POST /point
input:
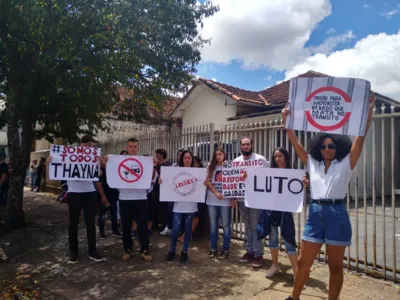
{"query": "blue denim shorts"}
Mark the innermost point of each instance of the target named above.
(328, 224)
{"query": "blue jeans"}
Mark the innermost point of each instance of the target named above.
(177, 220)
(250, 218)
(32, 177)
(273, 241)
(102, 215)
(225, 213)
(328, 224)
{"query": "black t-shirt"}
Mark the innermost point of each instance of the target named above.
(4, 170)
(156, 187)
(111, 194)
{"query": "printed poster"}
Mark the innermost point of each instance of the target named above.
(328, 104)
(129, 172)
(182, 184)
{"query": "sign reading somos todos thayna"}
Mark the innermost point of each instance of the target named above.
(129, 172)
(275, 189)
(328, 104)
(74, 163)
(233, 184)
(182, 184)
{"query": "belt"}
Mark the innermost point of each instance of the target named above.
(328, 201)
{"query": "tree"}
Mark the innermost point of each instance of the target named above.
(61, 62)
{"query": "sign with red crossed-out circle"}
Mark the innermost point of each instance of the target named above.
(130, 170)
(328, 109)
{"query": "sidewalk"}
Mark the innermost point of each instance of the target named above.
(38, 262)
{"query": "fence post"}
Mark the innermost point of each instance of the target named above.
(212, 137)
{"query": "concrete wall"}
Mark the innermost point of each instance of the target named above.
(208, 107)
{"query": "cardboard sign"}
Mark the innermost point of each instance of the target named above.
(275, 189)
(129, 172)
(74, 163)
(233, 185)
(182, 184)
(328, 104)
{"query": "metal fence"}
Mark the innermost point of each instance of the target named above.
(373, 205)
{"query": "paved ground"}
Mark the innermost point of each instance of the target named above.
(38, 269)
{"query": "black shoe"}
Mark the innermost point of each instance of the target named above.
(224, 254)
(184, 257)
(74, 259)
(290, 298)
(96, 257)
(212, 254)
(170, 256)
(117, 234)
(102, 235)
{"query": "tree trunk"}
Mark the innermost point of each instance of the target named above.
(19, 160)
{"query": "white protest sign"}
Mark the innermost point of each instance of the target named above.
(182, 184)
(233, 184)
(74, 163)
(129, 172)
(275, 189)
(328, 104)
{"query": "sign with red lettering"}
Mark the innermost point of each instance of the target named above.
(129, 172)
(328, 104)
(233, 182)
(74, 163)
(180, 184)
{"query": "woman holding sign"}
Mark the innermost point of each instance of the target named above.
(330, 161)
(284, 220)
(185, 211)
(218, 207)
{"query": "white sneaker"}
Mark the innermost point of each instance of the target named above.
(272, 271)
(166, 231)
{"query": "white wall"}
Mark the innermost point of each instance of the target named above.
(208, 106)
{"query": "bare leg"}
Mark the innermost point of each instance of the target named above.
(308, 253)
(335, 262)
(293, 261)
(274, 256)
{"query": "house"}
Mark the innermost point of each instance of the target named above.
(224, 105)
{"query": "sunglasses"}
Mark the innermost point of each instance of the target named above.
(330, 146)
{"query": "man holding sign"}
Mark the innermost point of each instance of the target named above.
(254, 247)
(132, 175)
(80, 166)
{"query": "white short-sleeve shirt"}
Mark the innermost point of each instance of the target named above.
(253, 157)
(333, 184)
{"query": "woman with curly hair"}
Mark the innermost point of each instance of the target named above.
(330, 162)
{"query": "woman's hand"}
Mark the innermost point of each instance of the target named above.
(220, 196)
(207, 181)
(285, 113)
(306, 181)
(234, 203)
(243, 176)
(371, 103)
(159, 180)
(105, 160)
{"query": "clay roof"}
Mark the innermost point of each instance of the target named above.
(275, 95)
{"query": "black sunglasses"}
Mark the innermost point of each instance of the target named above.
(330, 146)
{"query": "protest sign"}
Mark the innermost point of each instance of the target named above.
(233, 185)
(182, 184)
(275, 189)
(129, 172)
(328, 104)
(74, 163)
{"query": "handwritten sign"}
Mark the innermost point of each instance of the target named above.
(328, 104)
(129, 172)
(74, 163)
(275, 189)
(233, 184)
(182, 184)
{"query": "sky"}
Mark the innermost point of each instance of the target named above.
(258, 43)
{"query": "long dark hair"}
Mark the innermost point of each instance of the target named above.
(213, 163)
(343, 145)
(198, 160)
(182, 155)
(285, 153)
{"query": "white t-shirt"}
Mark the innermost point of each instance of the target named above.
(185, 207)
(216, 181)
(132, 194)
(253, 157)
(75, 186)
(334, 184)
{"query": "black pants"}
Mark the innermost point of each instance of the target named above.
(138, 210)
(87, 202)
